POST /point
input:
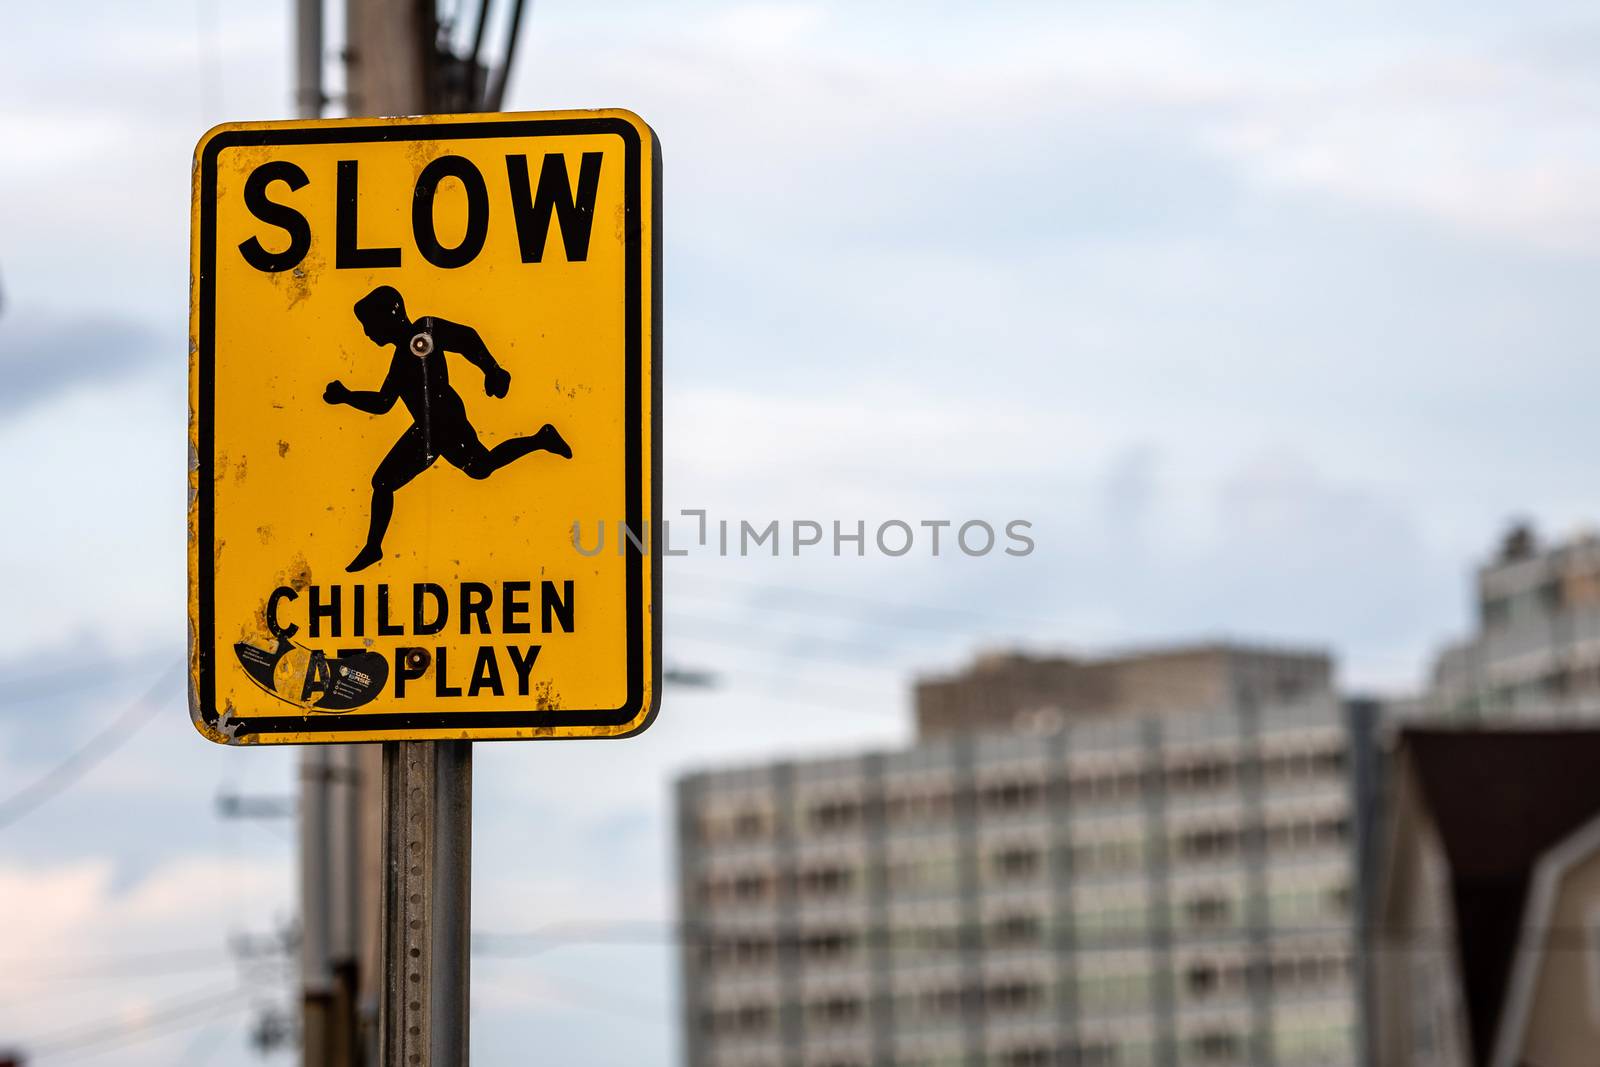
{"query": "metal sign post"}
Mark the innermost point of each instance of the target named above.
(427, 912)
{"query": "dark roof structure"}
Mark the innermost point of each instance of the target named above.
(1499, 800)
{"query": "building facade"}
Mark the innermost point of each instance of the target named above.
(1536, 652)
(1011, 690)
(1122, 892)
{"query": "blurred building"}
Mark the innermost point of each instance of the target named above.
(1488, 922)
(1121, 890)
(1537, 649)
(1012, 690)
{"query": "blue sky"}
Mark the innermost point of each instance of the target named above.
(1267, 316)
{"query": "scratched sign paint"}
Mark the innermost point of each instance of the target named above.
(423, 353)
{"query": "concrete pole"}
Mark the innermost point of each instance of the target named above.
(308, 91)
(388, 56)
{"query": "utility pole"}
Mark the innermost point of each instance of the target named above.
(327, 1033)
(386, 60)
(389, 45)
(347, 853)
(386, 929)
(393, 67)
(316, 976)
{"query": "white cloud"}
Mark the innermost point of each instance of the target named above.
(1473, 141)
(83, 950)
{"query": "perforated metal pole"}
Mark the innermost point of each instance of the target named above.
(427, 847)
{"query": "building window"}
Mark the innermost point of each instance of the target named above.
(831, 816)
(1202, 979)
(729, 952)
(1210, 910)
(1306, 832)
(1320, 762)
(827, 946)
(746, 887)
(1329, 761)
(834, 1012)
(746, 1019)
(1106, 786)
(1199, 775)
(914, 806)
(749, 887)
(932, 939)
(1088, 1054)
(826, 881)
(1209, 843)
(1108, 854)
(1028, 1056)
(1310, 971)
(1013, 996)
(1216, 1046)
(940, 1003)
(749, 824)
(1011, 796)
(1016, 864)
(1114, 989)
(922, 873)
(1016, 931)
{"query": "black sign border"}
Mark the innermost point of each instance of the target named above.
(404, 725)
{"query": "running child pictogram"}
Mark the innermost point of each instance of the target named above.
(419, 377)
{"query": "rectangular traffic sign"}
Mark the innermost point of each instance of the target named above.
(423, 352)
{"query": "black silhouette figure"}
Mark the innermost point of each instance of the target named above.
(419, 376)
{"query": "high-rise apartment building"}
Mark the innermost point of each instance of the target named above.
(1119, 892)
(1011, 690)
(1537, 650)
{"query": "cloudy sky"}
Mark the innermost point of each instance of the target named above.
(1267, 317)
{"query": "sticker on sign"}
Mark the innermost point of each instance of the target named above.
(421, 350)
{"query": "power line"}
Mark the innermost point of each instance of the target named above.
(496, 94)
(57, 976)
(206, 1052)
(794, 686)
(67, 773)
(806, 646)
(919, 615)
(177, 1013)
(44, 685)
(175, 961)
(920, 610)
(593, 999)
(477, 34)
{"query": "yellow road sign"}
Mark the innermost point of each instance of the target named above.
(421, 351)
